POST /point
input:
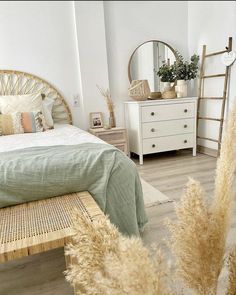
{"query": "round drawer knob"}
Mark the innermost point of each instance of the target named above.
(185, 141)
(153, 145)
(185, 110)
(152, 113)
(185, 126)
(152, 130)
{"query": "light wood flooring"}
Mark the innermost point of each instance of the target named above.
(42, 274)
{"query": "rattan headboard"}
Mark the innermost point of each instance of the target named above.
(16, 83)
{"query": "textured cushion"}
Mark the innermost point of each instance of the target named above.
(21, 103)
(11, 124)
(47, 111)
(32, 122)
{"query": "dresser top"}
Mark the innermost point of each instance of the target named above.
(163, 100)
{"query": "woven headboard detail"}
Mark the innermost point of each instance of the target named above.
(18, 83)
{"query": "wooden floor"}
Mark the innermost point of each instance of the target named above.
(43, 273)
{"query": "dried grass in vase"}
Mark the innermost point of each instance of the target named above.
(105, 262)
(107, 95)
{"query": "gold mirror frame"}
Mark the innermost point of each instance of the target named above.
(171, 48)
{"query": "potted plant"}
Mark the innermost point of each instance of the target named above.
(166, 74)
(184, 71)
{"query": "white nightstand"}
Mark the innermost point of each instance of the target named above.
(115, 136)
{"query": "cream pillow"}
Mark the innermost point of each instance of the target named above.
(21, 103)
(47, 111)
(28, 103)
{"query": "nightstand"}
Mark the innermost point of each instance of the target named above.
(115, 136)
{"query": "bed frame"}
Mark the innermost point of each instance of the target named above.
(19, 83)
(43, 225)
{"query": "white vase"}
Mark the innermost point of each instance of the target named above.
(166, 86)
(182, 88)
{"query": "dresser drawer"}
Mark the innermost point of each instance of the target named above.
(113, 137)
(168, 143)
(168, 112)
(166, 128)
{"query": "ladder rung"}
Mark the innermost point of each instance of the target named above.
(206, 138)
(216, 53)
(211, 119)
(213, 76)
(211, 97)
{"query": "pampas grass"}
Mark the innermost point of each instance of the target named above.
(105, 262)
(199, 236)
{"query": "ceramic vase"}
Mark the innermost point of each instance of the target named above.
(181, 88)
(166, 86)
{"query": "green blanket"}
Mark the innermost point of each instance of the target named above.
(111, 178)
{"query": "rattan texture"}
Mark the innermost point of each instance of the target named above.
(20, 83)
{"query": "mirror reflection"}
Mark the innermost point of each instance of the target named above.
(146, 61)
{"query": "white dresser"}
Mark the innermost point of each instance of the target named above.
(161, 125)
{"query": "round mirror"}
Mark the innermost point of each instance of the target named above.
(146, 60)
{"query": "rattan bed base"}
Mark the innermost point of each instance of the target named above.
(43, 225)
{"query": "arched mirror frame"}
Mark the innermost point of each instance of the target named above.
(129, 64)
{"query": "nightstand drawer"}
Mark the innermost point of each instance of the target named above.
(168, 143)
(122, 147)
(168, 112)
(167, 128)
(113, 137)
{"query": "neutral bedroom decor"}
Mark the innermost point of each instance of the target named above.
(139, 90)
(116, 136)
(184, 71)
(110, 105)
(206, 57)
(147, 60)
(96, 120)
(161, 125)
(106, 262)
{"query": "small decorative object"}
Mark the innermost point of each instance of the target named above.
(169, 94)
(107, 95)
(167, 76)
(105, 262)
(183, 71)
(228, 58)
(155, 95)
(96, 120)
(181, 88)
(107, 126)
(139, 90)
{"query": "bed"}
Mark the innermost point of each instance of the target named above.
(66, 160)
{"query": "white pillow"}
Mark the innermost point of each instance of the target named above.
(21, 103)
(28, 103)
(47, 111)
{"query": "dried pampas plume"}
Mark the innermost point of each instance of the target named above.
(199, 236)
(106, 94)
(106, 263)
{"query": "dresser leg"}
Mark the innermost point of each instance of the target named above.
(141, 159)
(194, 152)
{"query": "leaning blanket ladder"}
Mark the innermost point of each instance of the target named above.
(223, 98)
(39, 226)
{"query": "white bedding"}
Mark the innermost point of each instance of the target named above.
(62, 134)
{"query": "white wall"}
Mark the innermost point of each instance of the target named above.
(130, 23)
(39, 37)
(211, 23)
(91, 42)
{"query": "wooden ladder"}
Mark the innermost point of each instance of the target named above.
(223, 98)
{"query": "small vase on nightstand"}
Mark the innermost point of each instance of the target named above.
(112, 120)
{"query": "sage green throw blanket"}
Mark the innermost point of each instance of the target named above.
(110, 177)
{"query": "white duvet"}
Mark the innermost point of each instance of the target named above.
(62, 134)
